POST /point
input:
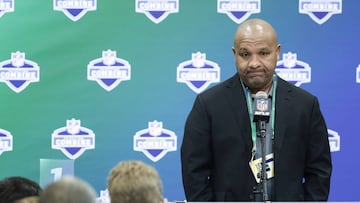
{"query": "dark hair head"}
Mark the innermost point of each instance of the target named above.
(15, 188)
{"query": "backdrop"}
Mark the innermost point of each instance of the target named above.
(85, 84)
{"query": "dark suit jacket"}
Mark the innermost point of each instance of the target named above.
(216, 147)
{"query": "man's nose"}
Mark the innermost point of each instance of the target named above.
(254, 61)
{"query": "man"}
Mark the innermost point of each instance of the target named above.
(17, 187)
(68, 189)
(135, 182)
(221, 151)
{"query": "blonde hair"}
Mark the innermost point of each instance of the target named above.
(134, 182)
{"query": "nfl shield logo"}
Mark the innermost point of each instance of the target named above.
(157, 10)
(334, 140)
(6, 141)
(198, 73)
(320, 11)
(17, 73)
(262, 105)
(292, 70)
(6, 6)
(109, 70)
(155, 142)
(358, 74)
(73, 139)
(238, 10)
(74, 9)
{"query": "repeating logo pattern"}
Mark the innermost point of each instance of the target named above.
(156, 10)
(294, 71)
(198, 73)
(109, 70)
(74, 9)
(155, 141)
(17, 72)
(6, 6)
(334, 140)
(320, 11)
(73, 139)
(238, 10)
(6, 141)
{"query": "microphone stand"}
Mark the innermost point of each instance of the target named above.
(261, 117)
(263, 175)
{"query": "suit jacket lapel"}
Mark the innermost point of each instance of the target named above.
(237, 101)
(282, 114)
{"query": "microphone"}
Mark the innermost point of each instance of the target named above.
(262, 107)
(261, 117)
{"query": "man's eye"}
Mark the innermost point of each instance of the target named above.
(264, 53)
(244, 54)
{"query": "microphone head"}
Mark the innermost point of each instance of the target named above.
(261, 95)
(262, 107)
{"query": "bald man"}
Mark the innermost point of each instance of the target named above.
(221, 152)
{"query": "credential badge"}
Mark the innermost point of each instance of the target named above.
(109, 70)
(292, 70)
(156, 10)
(74, 9)
(17, 72)
(6, 6)
(155, 142)
(73, 139)
(6, 141)
(198, 73)
(238, 10)
(334, 140)
(320, 10)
